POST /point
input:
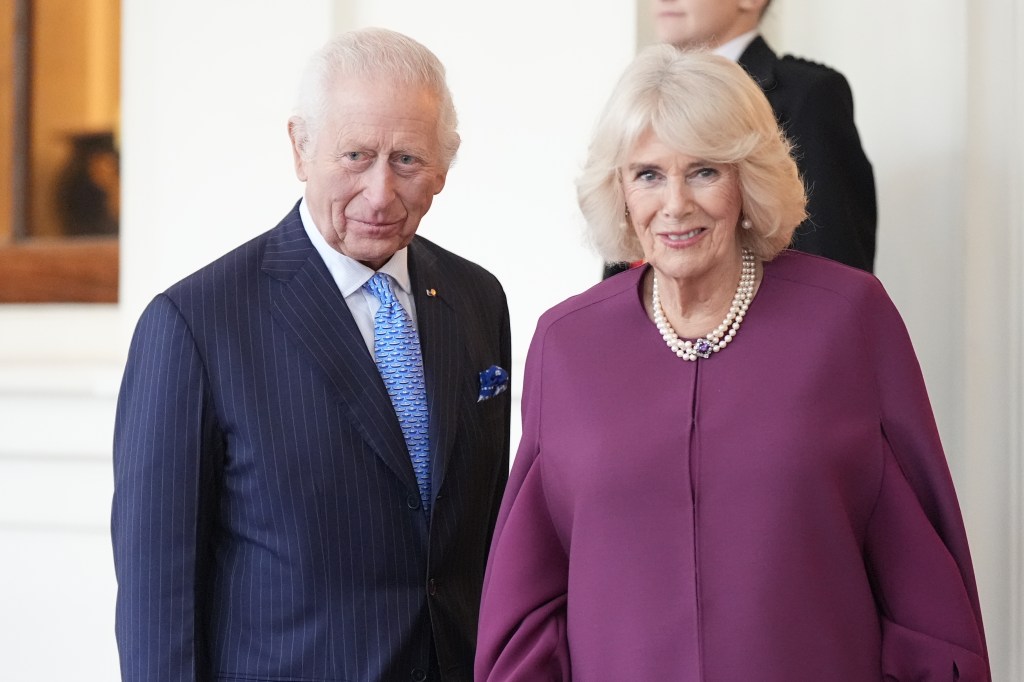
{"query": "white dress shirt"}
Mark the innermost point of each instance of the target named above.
(735, 47)
(350, 276)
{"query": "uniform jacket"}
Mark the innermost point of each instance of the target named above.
(814, 107)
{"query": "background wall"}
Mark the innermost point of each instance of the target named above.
(207, 88)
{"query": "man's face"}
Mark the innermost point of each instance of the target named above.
(704, 23)
(373, 168)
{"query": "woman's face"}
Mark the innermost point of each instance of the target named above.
(684, 210)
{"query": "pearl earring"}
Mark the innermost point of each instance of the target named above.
(746, 224)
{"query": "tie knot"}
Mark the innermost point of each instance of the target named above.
(380, 286)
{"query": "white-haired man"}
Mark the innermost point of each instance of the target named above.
(312, 432)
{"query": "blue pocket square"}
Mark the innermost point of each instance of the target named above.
(493, 380)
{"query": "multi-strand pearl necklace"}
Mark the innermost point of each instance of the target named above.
(719, 337)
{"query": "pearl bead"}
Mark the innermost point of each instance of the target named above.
(724, 333)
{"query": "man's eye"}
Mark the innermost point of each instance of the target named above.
(406, 159)
(354, 156)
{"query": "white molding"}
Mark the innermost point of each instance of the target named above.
(1016, 357)
(60, 378)
(83, 333)
(994, 324)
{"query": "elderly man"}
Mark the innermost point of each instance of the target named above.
(312, 431)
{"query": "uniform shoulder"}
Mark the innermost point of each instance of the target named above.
(808, 69)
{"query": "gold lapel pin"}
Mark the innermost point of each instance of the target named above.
(431, 292)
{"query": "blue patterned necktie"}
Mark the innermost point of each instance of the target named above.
(396, 348)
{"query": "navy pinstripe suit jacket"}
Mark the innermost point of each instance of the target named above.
(266, 522)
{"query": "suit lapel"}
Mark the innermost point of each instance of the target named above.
(441, 344)
(306, 301)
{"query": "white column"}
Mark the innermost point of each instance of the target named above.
(993, 253)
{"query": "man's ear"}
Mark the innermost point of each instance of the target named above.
(299, 135)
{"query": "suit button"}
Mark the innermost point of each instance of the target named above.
(431, 587)
(413, 501)
(418, 674)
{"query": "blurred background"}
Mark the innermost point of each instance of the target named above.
(142, 139)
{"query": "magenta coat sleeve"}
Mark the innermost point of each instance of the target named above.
(522, 633)
(916, 544)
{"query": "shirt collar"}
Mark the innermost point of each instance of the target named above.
(735, 47)
(349, 274)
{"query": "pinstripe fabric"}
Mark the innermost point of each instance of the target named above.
(266, 521)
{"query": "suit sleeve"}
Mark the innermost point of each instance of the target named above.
(840, 183)
(162, 492)
(916, 545)
(522, 635)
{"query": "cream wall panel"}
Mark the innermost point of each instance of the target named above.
(57, 616)
(56, 495)
(994, 294)
(56, 424)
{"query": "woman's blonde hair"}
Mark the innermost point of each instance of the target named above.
(704, 106)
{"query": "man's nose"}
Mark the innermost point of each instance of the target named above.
(379, 187)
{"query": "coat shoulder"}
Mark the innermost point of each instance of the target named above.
(472, 279)
(452, 261)
(603, 305)
(221, 272)
(823, 278)
(279, 245)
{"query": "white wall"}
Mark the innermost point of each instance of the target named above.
(207, 87)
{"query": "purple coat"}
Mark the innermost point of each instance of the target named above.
(782, 511)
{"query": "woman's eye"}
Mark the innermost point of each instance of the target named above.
(646, 175)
